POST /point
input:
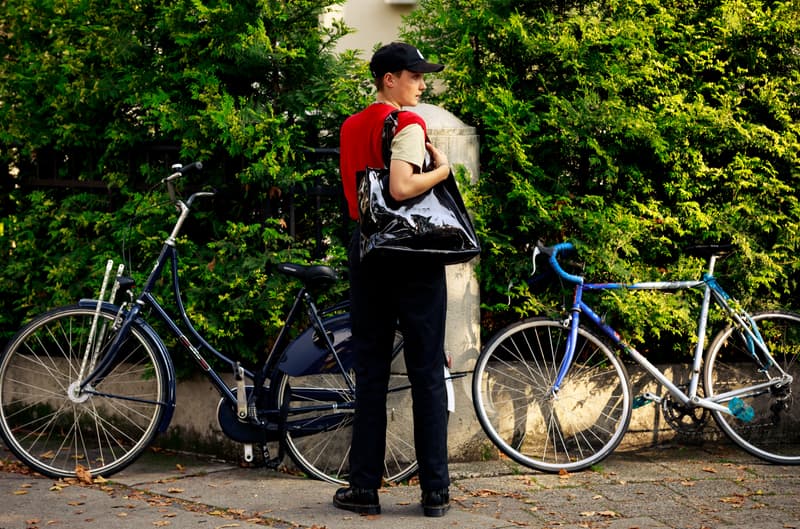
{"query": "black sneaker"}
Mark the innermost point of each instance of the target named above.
(435, 502)
(362, 501)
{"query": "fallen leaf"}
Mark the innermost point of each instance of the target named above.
(83, 475)
(607, 514)
(710, 470)
(483, 493)
(174, 490)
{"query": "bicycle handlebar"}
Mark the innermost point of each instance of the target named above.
(181, 170)
(178, 172)
(552, 252)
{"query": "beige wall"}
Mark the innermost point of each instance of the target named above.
(373, 22)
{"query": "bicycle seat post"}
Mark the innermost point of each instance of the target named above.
(712, 261)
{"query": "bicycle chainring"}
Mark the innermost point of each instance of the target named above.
(687, 420)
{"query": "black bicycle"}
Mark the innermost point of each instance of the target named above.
(89, 386)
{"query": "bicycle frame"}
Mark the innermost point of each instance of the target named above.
(711, 291)
(146, 299)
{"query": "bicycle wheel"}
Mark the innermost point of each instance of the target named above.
(53, 427)
(511, 391)
(325, 406)
(773, 434)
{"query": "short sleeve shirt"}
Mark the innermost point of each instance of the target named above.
(409, 145)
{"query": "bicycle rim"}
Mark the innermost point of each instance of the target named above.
(773, 434)
(511, 391)
(58, 431)
(324, 453)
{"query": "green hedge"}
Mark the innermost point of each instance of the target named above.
(113, 94)
(633, 128)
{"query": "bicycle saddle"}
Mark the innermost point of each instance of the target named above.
(316, 275)
(707, 250)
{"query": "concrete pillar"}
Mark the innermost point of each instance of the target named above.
(461, 144)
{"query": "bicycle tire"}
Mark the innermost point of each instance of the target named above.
(325, 455)
(511, 386)
(56, 431)
(773, 434)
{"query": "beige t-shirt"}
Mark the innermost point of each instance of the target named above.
(409, 145)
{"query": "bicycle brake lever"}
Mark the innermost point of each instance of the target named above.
(536, 252)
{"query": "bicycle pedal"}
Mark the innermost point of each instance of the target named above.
(267, 461)
(740, 410)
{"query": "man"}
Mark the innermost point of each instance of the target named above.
(408, 291)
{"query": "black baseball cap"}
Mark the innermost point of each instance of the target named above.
(399, 56)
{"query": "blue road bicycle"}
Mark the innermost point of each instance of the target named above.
(89, 386)
(552, 394)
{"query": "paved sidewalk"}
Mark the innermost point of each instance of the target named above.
(669, 486)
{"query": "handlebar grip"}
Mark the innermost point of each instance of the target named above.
(190, 167)
(562, 247)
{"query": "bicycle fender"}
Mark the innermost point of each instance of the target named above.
(308, 354)
(162, 351)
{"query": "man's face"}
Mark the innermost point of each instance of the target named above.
(407, 87)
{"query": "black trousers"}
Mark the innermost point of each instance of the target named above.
(412, 293)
